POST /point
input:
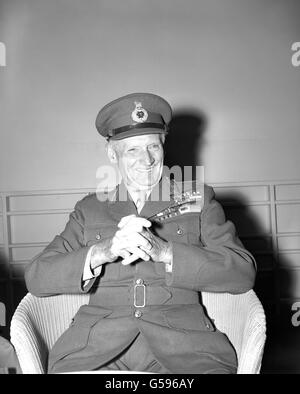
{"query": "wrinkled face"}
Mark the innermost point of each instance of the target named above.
(140, 160)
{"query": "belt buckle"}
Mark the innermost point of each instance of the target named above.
(135, 296)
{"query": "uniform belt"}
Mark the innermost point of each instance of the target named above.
(140, 295)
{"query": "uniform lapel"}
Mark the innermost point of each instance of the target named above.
(120, 203)
(159, 199)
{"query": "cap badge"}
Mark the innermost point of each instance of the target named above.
(139, 114)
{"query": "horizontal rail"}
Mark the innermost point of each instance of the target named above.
(269, 194)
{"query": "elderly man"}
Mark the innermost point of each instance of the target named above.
(143, 262)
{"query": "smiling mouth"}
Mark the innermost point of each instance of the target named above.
(145, 169)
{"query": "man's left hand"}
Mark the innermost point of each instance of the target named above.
(161, 251)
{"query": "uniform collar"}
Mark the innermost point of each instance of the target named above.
(121, 203)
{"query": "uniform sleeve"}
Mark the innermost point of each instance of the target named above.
(87, 271)
(219, 263)
(59, 268)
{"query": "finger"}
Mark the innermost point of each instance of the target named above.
(149, 236)
(130, 259)
(136, 228)
(131, 244)
(126, 231)
(124, 254)
(124, 242)
(148, 250)
(125, 220)
(125, 235)
(139, 252)
(133, 257)
(134, 221)
(141, 221)
(137, 239)
(123, 239)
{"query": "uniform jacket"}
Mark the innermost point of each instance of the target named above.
(207, 256)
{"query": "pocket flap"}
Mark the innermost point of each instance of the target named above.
(188, 317)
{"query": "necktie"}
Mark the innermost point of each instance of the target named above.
(140, 201)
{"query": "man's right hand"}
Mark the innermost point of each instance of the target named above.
(125, 243)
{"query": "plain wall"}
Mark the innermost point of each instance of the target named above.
(228, 59)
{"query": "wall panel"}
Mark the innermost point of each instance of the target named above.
(44, 202)
(287, 192)
(1, 231)
(289, 260)
(289, 242)
(266, 216)
(288, 218)
(25, 253)
(36, 228)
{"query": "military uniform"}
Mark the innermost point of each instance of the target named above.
(142, 300)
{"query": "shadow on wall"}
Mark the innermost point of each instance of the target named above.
(184, 146)
(251, 231)
(4, 277)
(11, 293)
(185, 139)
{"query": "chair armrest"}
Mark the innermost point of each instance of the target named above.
(28, 345)
(253, 338)
(36, 325)
(241, 317)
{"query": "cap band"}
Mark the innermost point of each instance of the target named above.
(146, 125)
(126, 119)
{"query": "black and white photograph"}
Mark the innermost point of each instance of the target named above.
(149, 189)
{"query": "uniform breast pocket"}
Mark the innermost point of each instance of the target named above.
(97, 232)
(191, 226)
(183, 229)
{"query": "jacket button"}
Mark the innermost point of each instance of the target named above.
(139, 281)
(179, 231)
(138, 314)
(98, 236)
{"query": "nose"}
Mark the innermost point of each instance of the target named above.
(148, 158)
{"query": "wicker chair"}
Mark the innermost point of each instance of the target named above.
(38, 322)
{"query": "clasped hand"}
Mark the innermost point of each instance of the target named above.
(134, 240)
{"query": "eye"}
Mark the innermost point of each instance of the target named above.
(155, 146)
(132, 150)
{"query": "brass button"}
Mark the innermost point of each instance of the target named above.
(139, 281)
(179, 231)
(98, 236)
(138, 314)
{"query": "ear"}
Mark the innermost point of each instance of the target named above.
(112, 154)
